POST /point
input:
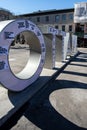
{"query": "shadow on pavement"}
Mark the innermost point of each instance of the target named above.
(41, 113)
(75, 73)
(40, 110)
(78, 64)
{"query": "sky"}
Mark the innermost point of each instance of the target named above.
(29, 6)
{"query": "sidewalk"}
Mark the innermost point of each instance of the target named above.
(63, 105)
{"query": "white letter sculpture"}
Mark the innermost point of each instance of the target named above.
(8, 31)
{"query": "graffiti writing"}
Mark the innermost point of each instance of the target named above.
(9, 35)
(3, 50)
(2, 65)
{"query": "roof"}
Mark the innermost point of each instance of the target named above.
(45, 12)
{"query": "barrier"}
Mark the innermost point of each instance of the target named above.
(49, 55)
(54, 46)
(70, 45)
(74, 44)
(44, 50)
(8, 31)
(58, 38)
(49, 37)
(69, 52)
(54, 40)
(59, 48)
(67, 46)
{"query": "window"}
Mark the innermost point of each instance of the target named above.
(29, 18)
(47, 18)
(56, 26)
(38, 19)
(64, 17)
(63, 28)
(57, 18)
(76, 12)
(78, 28)
(70, 28)
(82, 11)
(70, 16)
(82, 28)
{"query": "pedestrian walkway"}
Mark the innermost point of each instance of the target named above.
(70, 100)
(63, 105)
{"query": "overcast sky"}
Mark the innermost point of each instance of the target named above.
(29, 6)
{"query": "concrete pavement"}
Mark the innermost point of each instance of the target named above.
(11, 102)
(63, 105)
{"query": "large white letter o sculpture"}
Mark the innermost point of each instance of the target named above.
(8, 31)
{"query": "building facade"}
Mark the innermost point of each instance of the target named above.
(80, 20)
(60, 19)
(5, 15)
(73, 20)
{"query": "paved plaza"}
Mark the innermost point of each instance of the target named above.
(63, 105)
